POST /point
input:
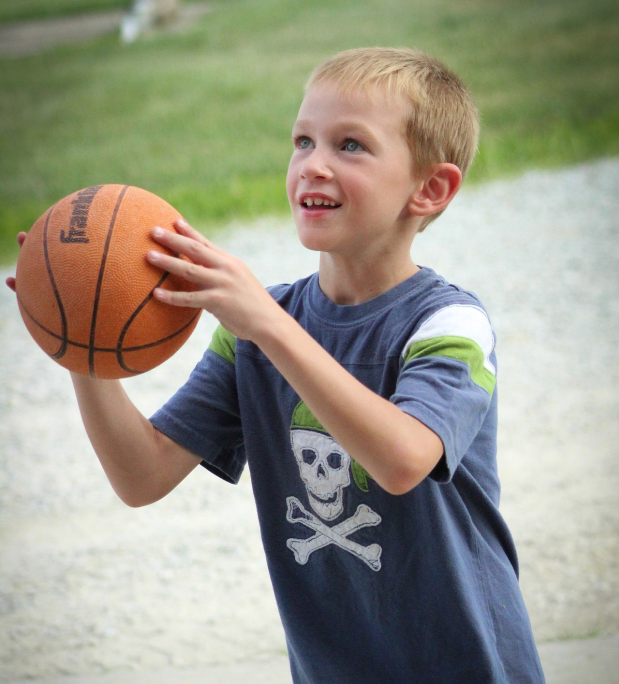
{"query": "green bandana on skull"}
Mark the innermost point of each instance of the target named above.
(304, 419)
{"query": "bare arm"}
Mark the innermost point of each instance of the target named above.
(396, 449)
(141, 463)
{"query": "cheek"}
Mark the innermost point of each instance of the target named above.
(364, 189)
(291, 182)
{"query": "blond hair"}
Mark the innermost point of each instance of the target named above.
(442, 124)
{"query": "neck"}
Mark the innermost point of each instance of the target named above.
(353, 282)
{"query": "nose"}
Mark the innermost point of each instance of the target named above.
(316, 165)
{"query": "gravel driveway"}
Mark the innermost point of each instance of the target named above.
(31, 37)
(88, 585)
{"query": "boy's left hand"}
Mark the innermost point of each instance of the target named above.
(228, 289)
(396, 449)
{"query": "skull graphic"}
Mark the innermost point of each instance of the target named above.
(325, 470)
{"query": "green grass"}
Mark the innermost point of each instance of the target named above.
(203, 118)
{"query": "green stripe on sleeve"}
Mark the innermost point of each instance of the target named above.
(223, 344)
(460, 348)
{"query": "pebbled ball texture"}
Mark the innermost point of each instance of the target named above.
(84, 286)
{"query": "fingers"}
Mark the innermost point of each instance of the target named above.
(202, 254)
(180, 298)
(207, 266)
(10, 281)
(193, 272)
(193, 245)
(184, 228)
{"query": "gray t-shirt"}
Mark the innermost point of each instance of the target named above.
(374, 588)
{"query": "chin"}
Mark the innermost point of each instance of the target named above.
(311, 239)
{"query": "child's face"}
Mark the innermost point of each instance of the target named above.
(351, 172)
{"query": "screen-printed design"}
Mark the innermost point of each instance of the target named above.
(325, 468)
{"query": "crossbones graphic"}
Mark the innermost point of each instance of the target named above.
(338, 534)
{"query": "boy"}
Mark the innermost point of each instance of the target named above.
(363, 398)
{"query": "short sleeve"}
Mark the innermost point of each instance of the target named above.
(203, 416)
(448, 377)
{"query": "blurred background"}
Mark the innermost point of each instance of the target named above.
(198, 110)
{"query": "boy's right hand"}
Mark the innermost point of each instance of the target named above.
(141, 463)
(10, 281)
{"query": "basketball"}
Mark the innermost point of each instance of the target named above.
(85, 289)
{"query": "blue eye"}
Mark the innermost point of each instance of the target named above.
(352, 146)
(304, 143)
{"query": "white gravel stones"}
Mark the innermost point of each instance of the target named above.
(88, 585)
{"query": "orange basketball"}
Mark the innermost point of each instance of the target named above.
(85, 289)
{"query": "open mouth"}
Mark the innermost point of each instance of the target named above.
(327, 500)
(316, 203)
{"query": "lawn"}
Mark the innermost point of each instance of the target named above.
(203, 117)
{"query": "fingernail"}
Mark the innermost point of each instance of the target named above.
(153, 255)
(158, 232)
(182, 222)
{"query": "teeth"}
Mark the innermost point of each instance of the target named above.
(318, 201)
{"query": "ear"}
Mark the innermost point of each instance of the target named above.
(435, 190)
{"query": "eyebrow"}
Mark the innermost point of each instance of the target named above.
(352, 127)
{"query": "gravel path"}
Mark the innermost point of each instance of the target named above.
(31, 37)
(88, 585)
